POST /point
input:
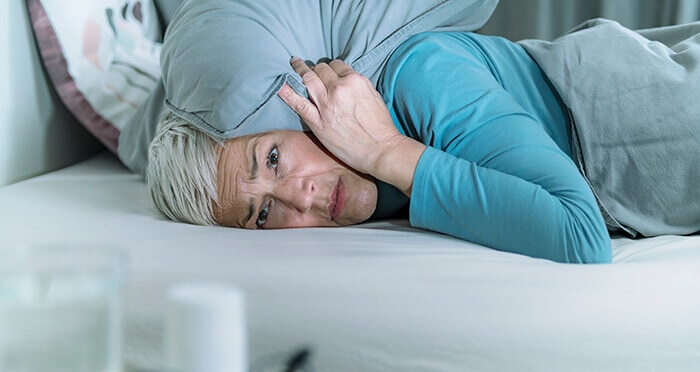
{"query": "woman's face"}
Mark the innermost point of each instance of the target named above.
(287, 179)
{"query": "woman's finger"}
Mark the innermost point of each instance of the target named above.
(340, 67)
(325, 73)
(313, 83)
(306, 110)
(299, 66)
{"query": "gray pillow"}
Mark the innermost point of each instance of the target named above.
(224, 61)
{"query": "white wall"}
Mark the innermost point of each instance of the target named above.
(37, 134)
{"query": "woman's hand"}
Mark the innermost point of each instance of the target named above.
(350, 119)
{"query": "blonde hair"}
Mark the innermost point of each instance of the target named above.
(181, 171)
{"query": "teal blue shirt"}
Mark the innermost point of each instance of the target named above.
(498, 168)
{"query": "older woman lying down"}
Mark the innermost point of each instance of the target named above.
(466, 129)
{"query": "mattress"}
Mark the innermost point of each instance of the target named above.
(379, 296)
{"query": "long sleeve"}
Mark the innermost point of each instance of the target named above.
(497, 170)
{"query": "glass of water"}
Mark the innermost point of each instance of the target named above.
(60, 309)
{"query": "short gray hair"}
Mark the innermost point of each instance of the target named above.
(181, 171)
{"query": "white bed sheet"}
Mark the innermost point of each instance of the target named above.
(379, 296)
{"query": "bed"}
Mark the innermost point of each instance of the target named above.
(380, 296)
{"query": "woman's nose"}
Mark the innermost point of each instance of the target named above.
(298, 193)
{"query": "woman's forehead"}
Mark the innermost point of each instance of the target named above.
(231, 161)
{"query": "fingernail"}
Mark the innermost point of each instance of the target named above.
(291, 60)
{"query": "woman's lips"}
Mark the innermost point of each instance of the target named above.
(335, 208)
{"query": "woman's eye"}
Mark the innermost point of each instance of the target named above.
(273, 158)
(262, 216)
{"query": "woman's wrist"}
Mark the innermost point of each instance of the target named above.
(396, 162)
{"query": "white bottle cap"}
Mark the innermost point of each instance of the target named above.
(205, 329)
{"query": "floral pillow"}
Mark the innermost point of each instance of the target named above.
(102, 57)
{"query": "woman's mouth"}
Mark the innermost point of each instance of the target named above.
(335, 208)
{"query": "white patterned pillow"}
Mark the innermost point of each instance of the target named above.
(102, 57)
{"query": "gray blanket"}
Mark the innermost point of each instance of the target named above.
(634, 99)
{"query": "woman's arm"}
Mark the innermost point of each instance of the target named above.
(492, 174)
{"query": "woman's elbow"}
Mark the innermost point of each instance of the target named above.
(590, 243)
(600, 253)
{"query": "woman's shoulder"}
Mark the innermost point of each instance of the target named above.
(421, 61)
(456, 42)
(422, 53)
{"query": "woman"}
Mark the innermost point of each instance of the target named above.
(467, 126)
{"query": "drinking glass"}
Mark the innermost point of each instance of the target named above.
(60, 309)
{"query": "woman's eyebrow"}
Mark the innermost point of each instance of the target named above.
(253, 172)
(251, 211)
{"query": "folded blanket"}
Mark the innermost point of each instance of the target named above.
(634, 101)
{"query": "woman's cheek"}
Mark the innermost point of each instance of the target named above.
(365, 203)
